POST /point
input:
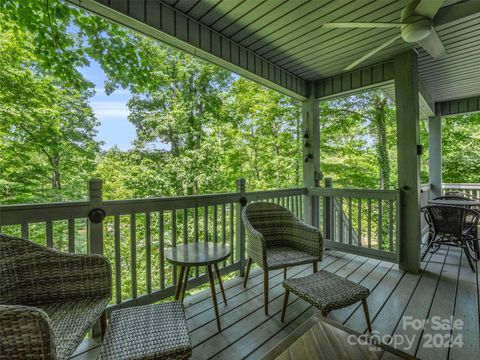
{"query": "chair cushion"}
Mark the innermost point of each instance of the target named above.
(71, 320)
(326, 291)
(280, 257)
(157, 331)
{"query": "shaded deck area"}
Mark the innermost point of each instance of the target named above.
(445, 287)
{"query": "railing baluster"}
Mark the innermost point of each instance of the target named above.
(71, 236)
(224, 227)
(174, 243)
(350, 221)
(48, 233)
(340, 218)
(161, 239)
(148, 251)
(215, 235)
(369, 222)
(333, 219)
(133, 254)
(232, 233)
(205, 223)
(195, 232)
(390, 225)
(24, 230)
(118, 259)
(185, 226)
(359, 225)
(380, 224)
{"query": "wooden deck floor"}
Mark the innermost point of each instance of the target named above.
(446, 287)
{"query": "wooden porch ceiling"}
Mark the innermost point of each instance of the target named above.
(288, 45)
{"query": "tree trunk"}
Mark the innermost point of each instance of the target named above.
(379, 124)
(56, 184)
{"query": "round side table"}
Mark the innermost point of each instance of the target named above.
(206, 254)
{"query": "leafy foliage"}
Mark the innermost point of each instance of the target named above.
(217, 126)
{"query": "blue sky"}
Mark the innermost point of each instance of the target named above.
(110, 110)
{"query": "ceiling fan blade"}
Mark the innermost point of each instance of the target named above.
(433, 45)
(373, 52)
(456, 11)
(428, 8)
(346, 25)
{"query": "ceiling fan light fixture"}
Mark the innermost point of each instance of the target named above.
(416, 30)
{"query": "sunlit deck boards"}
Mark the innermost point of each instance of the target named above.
(445, 287)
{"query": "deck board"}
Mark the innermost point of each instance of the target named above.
(446, 286)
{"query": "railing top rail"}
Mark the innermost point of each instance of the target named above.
(118, 207)
(267, 194)
(425, 187)
(356, 193)
(66, 204)
(467, 186)
(31, 213)
(16, 214)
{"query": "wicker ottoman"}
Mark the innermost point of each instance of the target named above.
(327, 292)
(157, 331)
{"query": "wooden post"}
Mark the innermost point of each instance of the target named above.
(327, 211)
(240, 238)
(311, 155)
(435, 154)
(407, 113)
(95, 230)
(95, 234)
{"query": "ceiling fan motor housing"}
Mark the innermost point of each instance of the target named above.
(416, 29)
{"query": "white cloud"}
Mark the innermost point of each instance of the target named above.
(110, 109)
(99, 91)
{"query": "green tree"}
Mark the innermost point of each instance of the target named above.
(47, 130)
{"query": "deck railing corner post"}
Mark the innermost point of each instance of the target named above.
(327, 210)
(240, 244)
(95, 228)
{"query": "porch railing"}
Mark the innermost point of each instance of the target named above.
(472, 189)
(360, 221)
(134, 234)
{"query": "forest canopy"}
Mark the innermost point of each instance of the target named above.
(217, 126)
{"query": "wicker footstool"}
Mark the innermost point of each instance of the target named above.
(327, 292)
(157, 331)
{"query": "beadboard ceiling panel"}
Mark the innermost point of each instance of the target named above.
(287, 37)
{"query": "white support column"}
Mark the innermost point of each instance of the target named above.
(407, 113)
(311, 155)
(435, 154)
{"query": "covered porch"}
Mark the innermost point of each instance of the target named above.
(445, 287)
(373, 237)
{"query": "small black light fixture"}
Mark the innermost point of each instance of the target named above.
(96, 216)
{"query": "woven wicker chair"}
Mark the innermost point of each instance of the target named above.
(454, 226)
(276, 239)
(48, 299)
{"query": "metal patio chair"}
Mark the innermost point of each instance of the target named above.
(454, 226)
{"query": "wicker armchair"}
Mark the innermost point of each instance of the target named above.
(48, 299)
(276, 239)
(453, 226)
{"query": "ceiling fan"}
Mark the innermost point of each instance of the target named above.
(417, 25)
